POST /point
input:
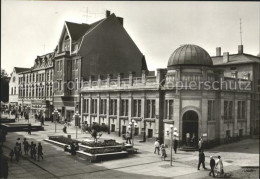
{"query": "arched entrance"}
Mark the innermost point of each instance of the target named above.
(190, 128)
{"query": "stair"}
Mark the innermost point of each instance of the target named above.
(188, 149)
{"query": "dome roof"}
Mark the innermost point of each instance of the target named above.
(190, 55)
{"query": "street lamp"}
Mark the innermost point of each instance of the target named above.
(28, 113)
(55, 114)
(132, 126)
(76, 116)
(171, 132)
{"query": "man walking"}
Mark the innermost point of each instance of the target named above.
(157, 146)
(201, 160)
(212, 166)
(40, 153)
(175, 145)
(25, 146)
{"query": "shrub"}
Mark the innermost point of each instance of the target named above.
(97, 130)
(101, 144)
(103, 150)
(62, 139)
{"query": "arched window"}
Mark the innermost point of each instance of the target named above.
(12, 91)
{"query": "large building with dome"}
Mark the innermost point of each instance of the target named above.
(192, 94)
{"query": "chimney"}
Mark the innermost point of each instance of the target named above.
(121, 20)
(107, 13)
(240, 49)
(218, 51)
(225, 57)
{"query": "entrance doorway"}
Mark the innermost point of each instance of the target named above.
(190, 128)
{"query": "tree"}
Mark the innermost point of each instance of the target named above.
(4, 86)
(97, 130)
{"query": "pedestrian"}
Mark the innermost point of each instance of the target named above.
(164, 155)
(219, 166)
(42, 120)
(19, 145)
(21, 114)
(31, 150)
(193, 139)
(200, 144)
(65, 128)
(40, 153)
(29, 128)
(212, 166)
(34, 151)
(25, 146)
(16, 152)
(72, 149)
(128, 138)
(188, 139)
(175, 145)
(157, 146)
(201, 160)
(11, 154)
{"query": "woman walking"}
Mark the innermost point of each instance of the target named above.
(219, 166)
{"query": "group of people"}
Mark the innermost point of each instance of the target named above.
(158, 148)
(218, 165)
(28, 148)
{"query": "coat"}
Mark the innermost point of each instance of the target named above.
(201, 157)
(219, 165)
(212, 163)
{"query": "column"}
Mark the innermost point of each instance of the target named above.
(118, 114)
(98, 108)
(108, 107)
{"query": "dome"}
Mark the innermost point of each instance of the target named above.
(190, 55)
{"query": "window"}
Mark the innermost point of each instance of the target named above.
(76, 84)
(113, 127)
(211, 110)
(14, 90)
(169, 109)
(124, 107)
(240, 133)
(103, 106)
(228, 110)
(150, 109)
(51, 76)
(137, 108)
(241, 110)
(14, 79)
(136, 131)
(228, 134)
(51, 91)
(113, 107)
(150, 133)
(94, 106)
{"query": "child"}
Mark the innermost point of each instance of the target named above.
(163, 152)
(11, 155)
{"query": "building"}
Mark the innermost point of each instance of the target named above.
(35, 92)
(192, 93)
(14, 85)
(243, 66)
(87, 50)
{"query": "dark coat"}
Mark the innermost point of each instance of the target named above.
(212, 163)
(201, 157)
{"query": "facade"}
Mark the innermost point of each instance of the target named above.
(188, 94)
(14, 85)
(35, 92)
(87, 50)
(243, 66)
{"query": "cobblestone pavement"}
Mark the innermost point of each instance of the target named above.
(145, 164)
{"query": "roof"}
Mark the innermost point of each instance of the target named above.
(78, 30)
(190, 55)
(236, 59)
(20, 69)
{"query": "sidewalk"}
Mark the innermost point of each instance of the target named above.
(145, 164)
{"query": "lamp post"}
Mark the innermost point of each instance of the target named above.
(171, 132)
(55, 114)
(132, 125)
(76, 116)
(28, 113)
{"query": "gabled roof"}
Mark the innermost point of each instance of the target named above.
(236, 59)
(20, 69)
(76, 31)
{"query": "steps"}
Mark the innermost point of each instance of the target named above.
(188, 149)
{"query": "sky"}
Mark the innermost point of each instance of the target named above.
(31, 28)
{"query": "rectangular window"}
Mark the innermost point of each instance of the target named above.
(228, 110)
(150, 106)
(113, 127)
(150, 133)
(211, 110)
(113, 107)
(94, 106)
(84, 105)
(241, 109)
(169, 109)
(124, 107)
(103, 106)
(240, 132)
(136, 131)
(137, 108)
